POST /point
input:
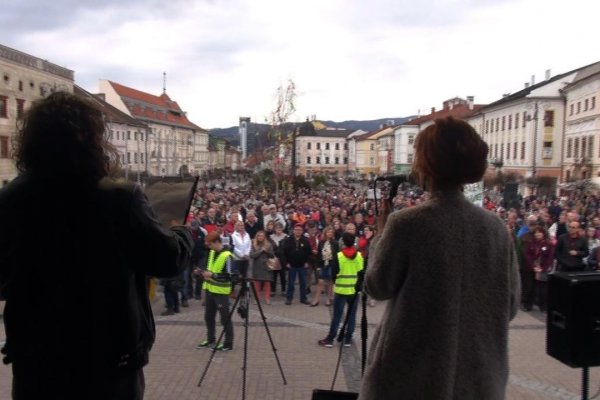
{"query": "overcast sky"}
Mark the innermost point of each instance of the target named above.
(349, 59)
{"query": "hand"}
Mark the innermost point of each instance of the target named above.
(207, 274)
(197, 271)
(573, 252)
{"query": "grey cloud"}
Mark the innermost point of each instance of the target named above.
(19, 16)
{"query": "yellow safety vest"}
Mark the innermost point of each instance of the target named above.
(216, 267)
(347, 277)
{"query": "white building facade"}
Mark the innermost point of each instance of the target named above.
(582, 129)
(175, 145)
(23, 79)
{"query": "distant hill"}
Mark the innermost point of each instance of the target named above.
(258, 135)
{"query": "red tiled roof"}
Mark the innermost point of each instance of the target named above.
(168, 110)
(461, 111)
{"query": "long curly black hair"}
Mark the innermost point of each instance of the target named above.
(63, 136)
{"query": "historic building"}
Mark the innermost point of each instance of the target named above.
(176, 145)
(127, 134)
(321, 151)
(23, 79)
(368, 153)
(581, 155)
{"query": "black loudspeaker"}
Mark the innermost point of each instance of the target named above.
(573, 324)
(319, 394)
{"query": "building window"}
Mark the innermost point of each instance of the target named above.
(326, 160)
(20, 86)
(590, 146)
(337, 160)
(583, 146)
(318, 160)
(510, 122)
(3, 107)
(568, 175)
(593, 103)
(549, 118)
(411, 139)
(346, 146)
(515, 150)
(524, 118)
(586, 103)
(578, 107)
(135, 157)
(571, 108)
(508, 151)
(326, 146)
(502, 151)
(516, 121)
(318, 146)
(128, 157)
(141, 158)
(522, 150)
(4, 147)
(372, 147)
(576, 148)
(496, 150)
(487, 126)
(308, 146)
(128, 135)
(371, 160)
(308, 160)
(497, 124)
(503, 122)
(547, 150)
(345, 160)
(570, 148)
(337, 147)
(20, 108)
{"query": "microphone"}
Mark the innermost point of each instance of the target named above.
(397, 179)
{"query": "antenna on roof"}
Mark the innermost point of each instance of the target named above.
(164, 82)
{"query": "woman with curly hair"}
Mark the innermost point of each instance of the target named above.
(84, 282)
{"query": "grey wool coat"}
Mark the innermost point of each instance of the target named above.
(449, 271)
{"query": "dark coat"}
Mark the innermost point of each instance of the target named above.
(295, 252)
(77, 306)
(567, 262)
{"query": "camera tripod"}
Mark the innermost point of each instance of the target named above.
(242, 302)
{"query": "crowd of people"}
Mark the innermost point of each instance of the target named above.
(297, 237)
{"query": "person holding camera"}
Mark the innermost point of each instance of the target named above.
(450, 272)
(218, 284)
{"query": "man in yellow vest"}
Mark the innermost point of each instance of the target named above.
(348, 278)
(217, 283)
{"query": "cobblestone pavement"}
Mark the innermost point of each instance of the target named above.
(176, 365)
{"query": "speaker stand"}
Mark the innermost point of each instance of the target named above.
(585, 382)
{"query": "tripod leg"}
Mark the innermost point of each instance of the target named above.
(264, 320)
(214, 350)
(246, 322)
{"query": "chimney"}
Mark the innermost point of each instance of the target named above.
(548, 74)
(532, 80)
(432, 110)
(470, 101)
(526, 85)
